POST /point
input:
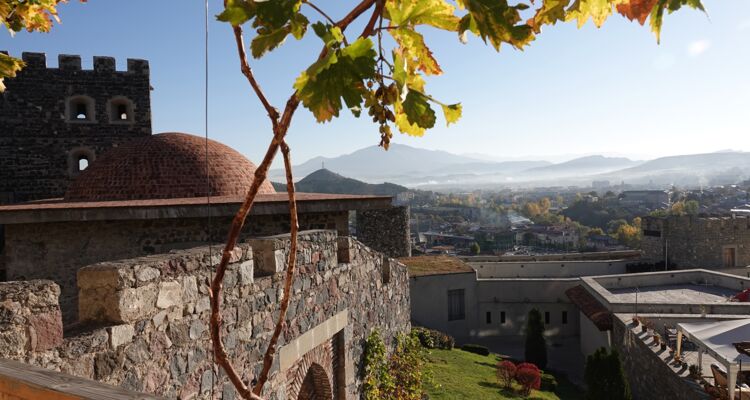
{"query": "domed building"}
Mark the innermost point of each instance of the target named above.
(149, 196)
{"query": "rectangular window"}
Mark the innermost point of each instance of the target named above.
(502, 317)
(489, 317)
(456, 309)
(546, 317)
(565, 317)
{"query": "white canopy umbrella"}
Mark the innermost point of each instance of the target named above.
(717, 338)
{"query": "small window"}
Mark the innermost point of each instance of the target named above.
(120, 110)
(502, 317)
(488, 317)
(564, 317)
(546, 317)
(80, 109)
(456, 305)
(83, 163)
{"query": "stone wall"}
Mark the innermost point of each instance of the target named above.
(697, 242)
(56, 250)
(40, 144)
(646, 368)
(386, 230)
(152, 313)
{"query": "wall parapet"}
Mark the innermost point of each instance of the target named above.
(30, 318)
(72, 62)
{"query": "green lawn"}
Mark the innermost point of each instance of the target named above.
(458, 374)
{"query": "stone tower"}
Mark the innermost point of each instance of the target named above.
(54, 122)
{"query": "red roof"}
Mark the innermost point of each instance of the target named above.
(165, 166)
(591, 307)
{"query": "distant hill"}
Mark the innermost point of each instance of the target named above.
(325, 181)
(584, 165)
(689, 169)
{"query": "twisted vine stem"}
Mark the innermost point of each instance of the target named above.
(280, 124)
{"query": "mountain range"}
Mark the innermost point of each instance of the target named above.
(415, 167)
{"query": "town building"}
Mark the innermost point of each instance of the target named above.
(650, 199)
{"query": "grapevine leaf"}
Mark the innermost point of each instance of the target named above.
(414, 115)
(338, 75)
(437, 13)
(266, 41)
(237, 12)
(275, 13)
(496, 21)
(637, 10)
(452, 112)
(416, 51)
(657, 14)
(330, 35)
(597, 10)
(8, 68)
(549, 13)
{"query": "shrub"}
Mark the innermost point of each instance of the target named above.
(432, 339)
(506, 372)
(529, 377)
(398, 377)
(535, 346)
(604, 376)
(549, 383)
(476, 349)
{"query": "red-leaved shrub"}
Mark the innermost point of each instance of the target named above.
(529, 377)
(506, 372)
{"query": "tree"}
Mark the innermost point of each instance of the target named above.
(356, 73)
(604, 376)
(474, 248)
(535, 350)
(692, 207)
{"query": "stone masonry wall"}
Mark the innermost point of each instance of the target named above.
(56, 250)
(151, 314)
(698, 242)
(649, 376)
(40, 145)
(386, 230)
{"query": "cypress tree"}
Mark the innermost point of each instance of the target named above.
(605, 377)
(536, 345)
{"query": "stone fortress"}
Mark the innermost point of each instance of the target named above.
(107, 252)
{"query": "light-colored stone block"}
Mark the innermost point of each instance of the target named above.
(120, 335)
(170, 294)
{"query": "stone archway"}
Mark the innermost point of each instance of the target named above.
(316, 385)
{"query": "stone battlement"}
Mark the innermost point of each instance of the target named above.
(144, 321)
(71, 62)
(675, 222)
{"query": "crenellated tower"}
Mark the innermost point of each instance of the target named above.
(54, 122)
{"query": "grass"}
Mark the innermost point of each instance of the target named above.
(458, 374)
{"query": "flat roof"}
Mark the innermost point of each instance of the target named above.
(58, 210)
(435, 265)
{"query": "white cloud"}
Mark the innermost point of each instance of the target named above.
(698, 47)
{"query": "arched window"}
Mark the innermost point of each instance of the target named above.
(120, 110)
(81, 108)
(79, 159)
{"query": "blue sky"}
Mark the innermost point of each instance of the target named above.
(573, 91)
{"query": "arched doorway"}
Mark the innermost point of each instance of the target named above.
(316, 385)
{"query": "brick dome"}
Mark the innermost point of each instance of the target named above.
(165, 166)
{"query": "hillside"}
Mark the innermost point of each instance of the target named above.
(325, 181)
(583, 165)
(688, 169)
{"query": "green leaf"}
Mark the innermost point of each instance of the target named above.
(437, 13)
(657, 14)
(237, 12)
(339, 75)
(8, 68)
(266, 41)
(597, 10)
(274, 14)
(495, 21)
(331, 35)
(549, 13)
(452, 112)
(414, 115)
